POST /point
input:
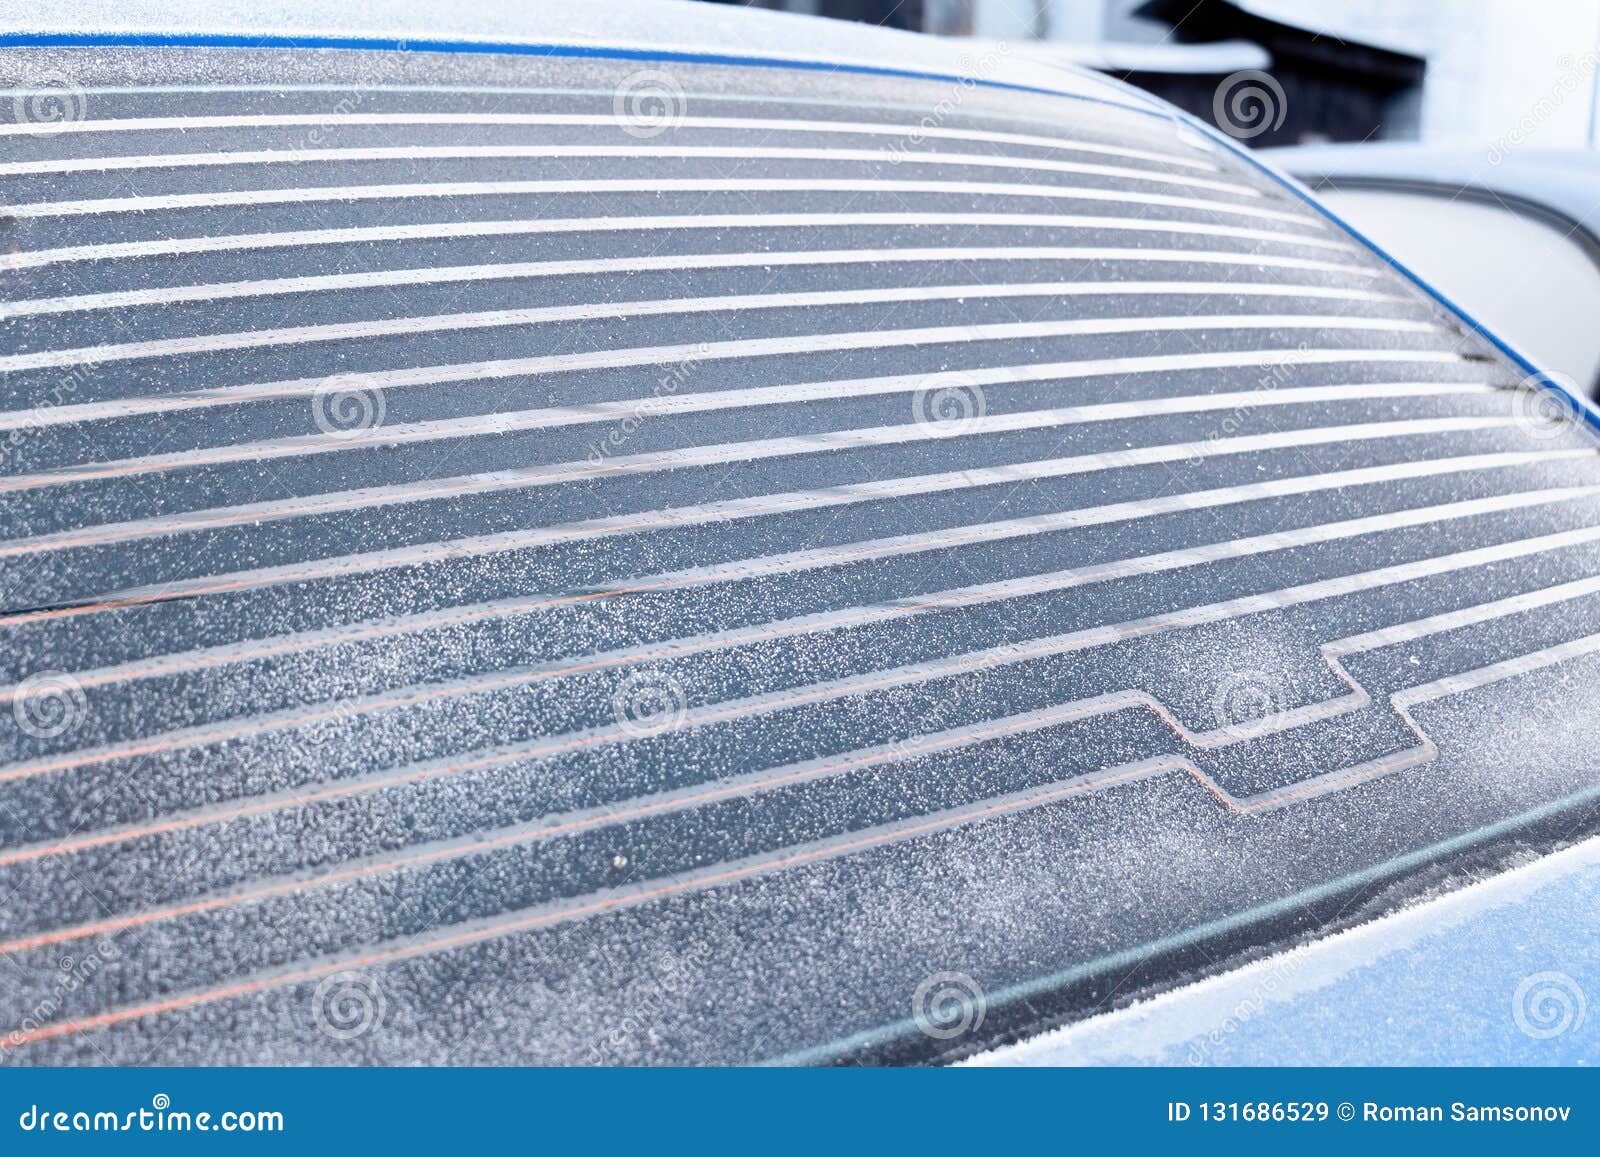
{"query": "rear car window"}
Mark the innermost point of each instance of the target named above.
(552, 561)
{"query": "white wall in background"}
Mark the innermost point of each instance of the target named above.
(1496, 68)
(1083, 21)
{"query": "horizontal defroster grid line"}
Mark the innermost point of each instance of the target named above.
(455, 230)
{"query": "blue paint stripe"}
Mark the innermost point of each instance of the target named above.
(515, 48)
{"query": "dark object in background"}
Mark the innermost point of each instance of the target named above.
(1333, 89)
(1323, 87)
(884, 13)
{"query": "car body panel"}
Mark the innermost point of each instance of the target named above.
(1497, 971)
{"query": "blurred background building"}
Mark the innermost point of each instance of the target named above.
(1466, 71)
